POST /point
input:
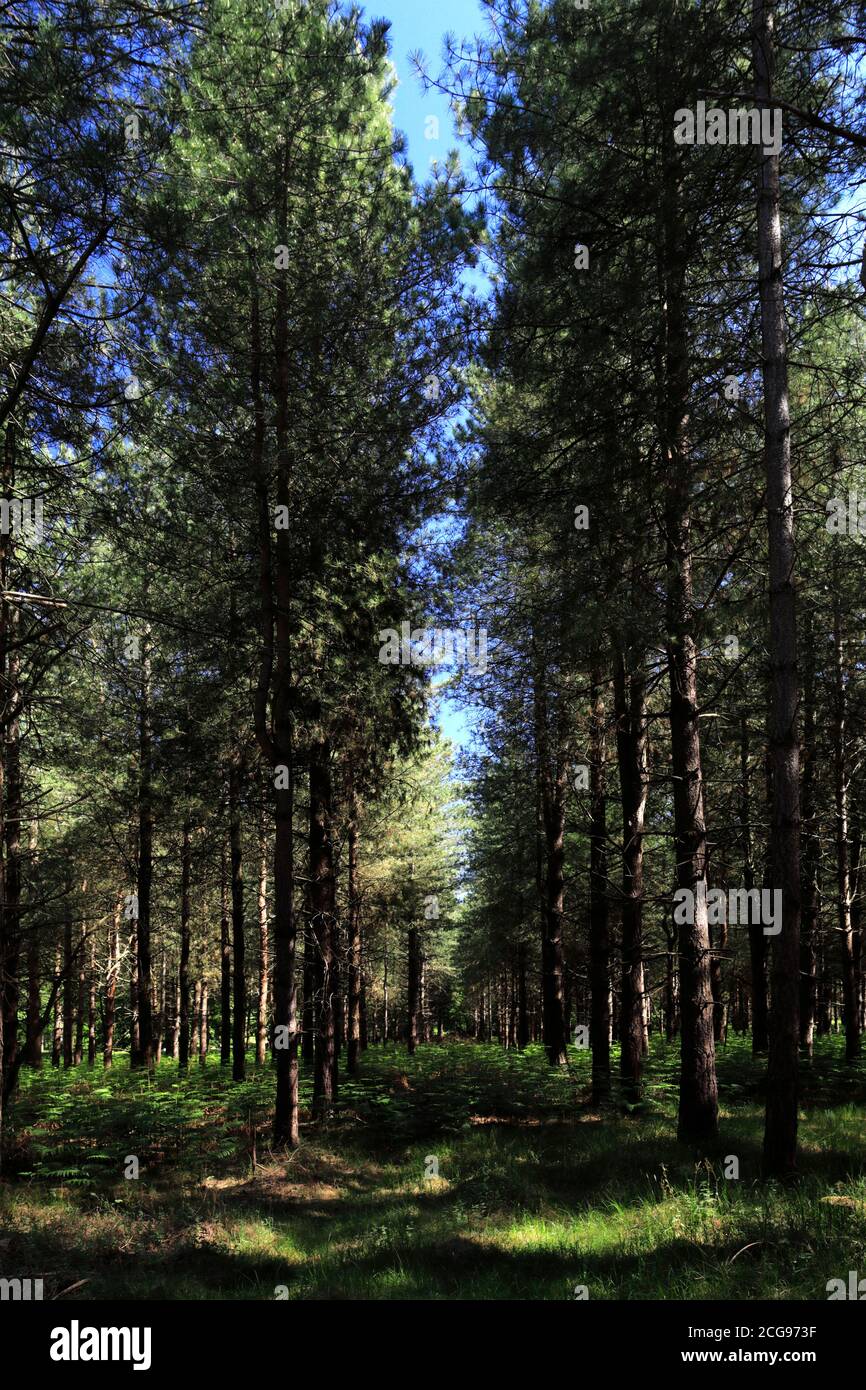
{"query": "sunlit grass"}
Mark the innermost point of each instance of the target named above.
(536, 1193)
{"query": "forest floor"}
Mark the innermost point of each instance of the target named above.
(537, 1194)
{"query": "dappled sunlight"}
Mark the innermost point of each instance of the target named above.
(525, 1204)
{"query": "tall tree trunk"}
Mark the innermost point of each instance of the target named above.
(225, 965)
(175, 1045)
(363, 1011)
(354, 1031)
(8, 477)
(780, 1134)
(550, 873)
(698, 1103)
(632, 756)
(322, 887)
(522, 1010)
(850, 986)
(112, 968)
(159, 1009)
(204, 1021)
(337, 985)
(285, 1007)
(144, 1055)
(285, 931)
(262, 905)
(183, 1048)
(134, 1032)
(91, 1004)
(672, 990)
(239, 1041)
(78, 1054)
(811, 856)
(33, 1044)
(413, 990)
(10, 885)
(308, 1040)
(172, 1016)
(196, 1018)
(68, 980)
(717, 987)
(57, 1035)
(274, 686)
(857, 916)
(599, 917)
(757, 939)
(424, 1015)
(10, 797)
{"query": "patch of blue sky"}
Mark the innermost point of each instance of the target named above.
(427, 121)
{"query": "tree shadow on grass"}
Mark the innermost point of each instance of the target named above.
(379, 1248)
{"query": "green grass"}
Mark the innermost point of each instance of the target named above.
(537, 1192)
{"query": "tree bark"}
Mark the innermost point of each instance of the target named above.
(811, 857)
(757, 940)
(322, 888)
(159, 1009)
(33, 1044)
(632, 756)
(196, 1018)
(780, 1134)
(91, 1003)
(57, 1036)
(274, 686)
(599, 916)
(78, 1053)
(204, 1021)
(308, 1041)
(112, 969)
(183, 1050)
(363, 1010)
(143, 1055)
(551, 775)
(522, 1008)
(353, 1042)
(262, 904)
(10, 798)
(672, 991)
(850, 985)
(698, 1103)
(68, 981)
(239, 1041)
(225, 965)
(412, 1002)
(134, 1034)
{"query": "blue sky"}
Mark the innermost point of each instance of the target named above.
(416, 25)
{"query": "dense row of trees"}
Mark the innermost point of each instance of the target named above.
(676, 328)
(236, 336)
(224, 304)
